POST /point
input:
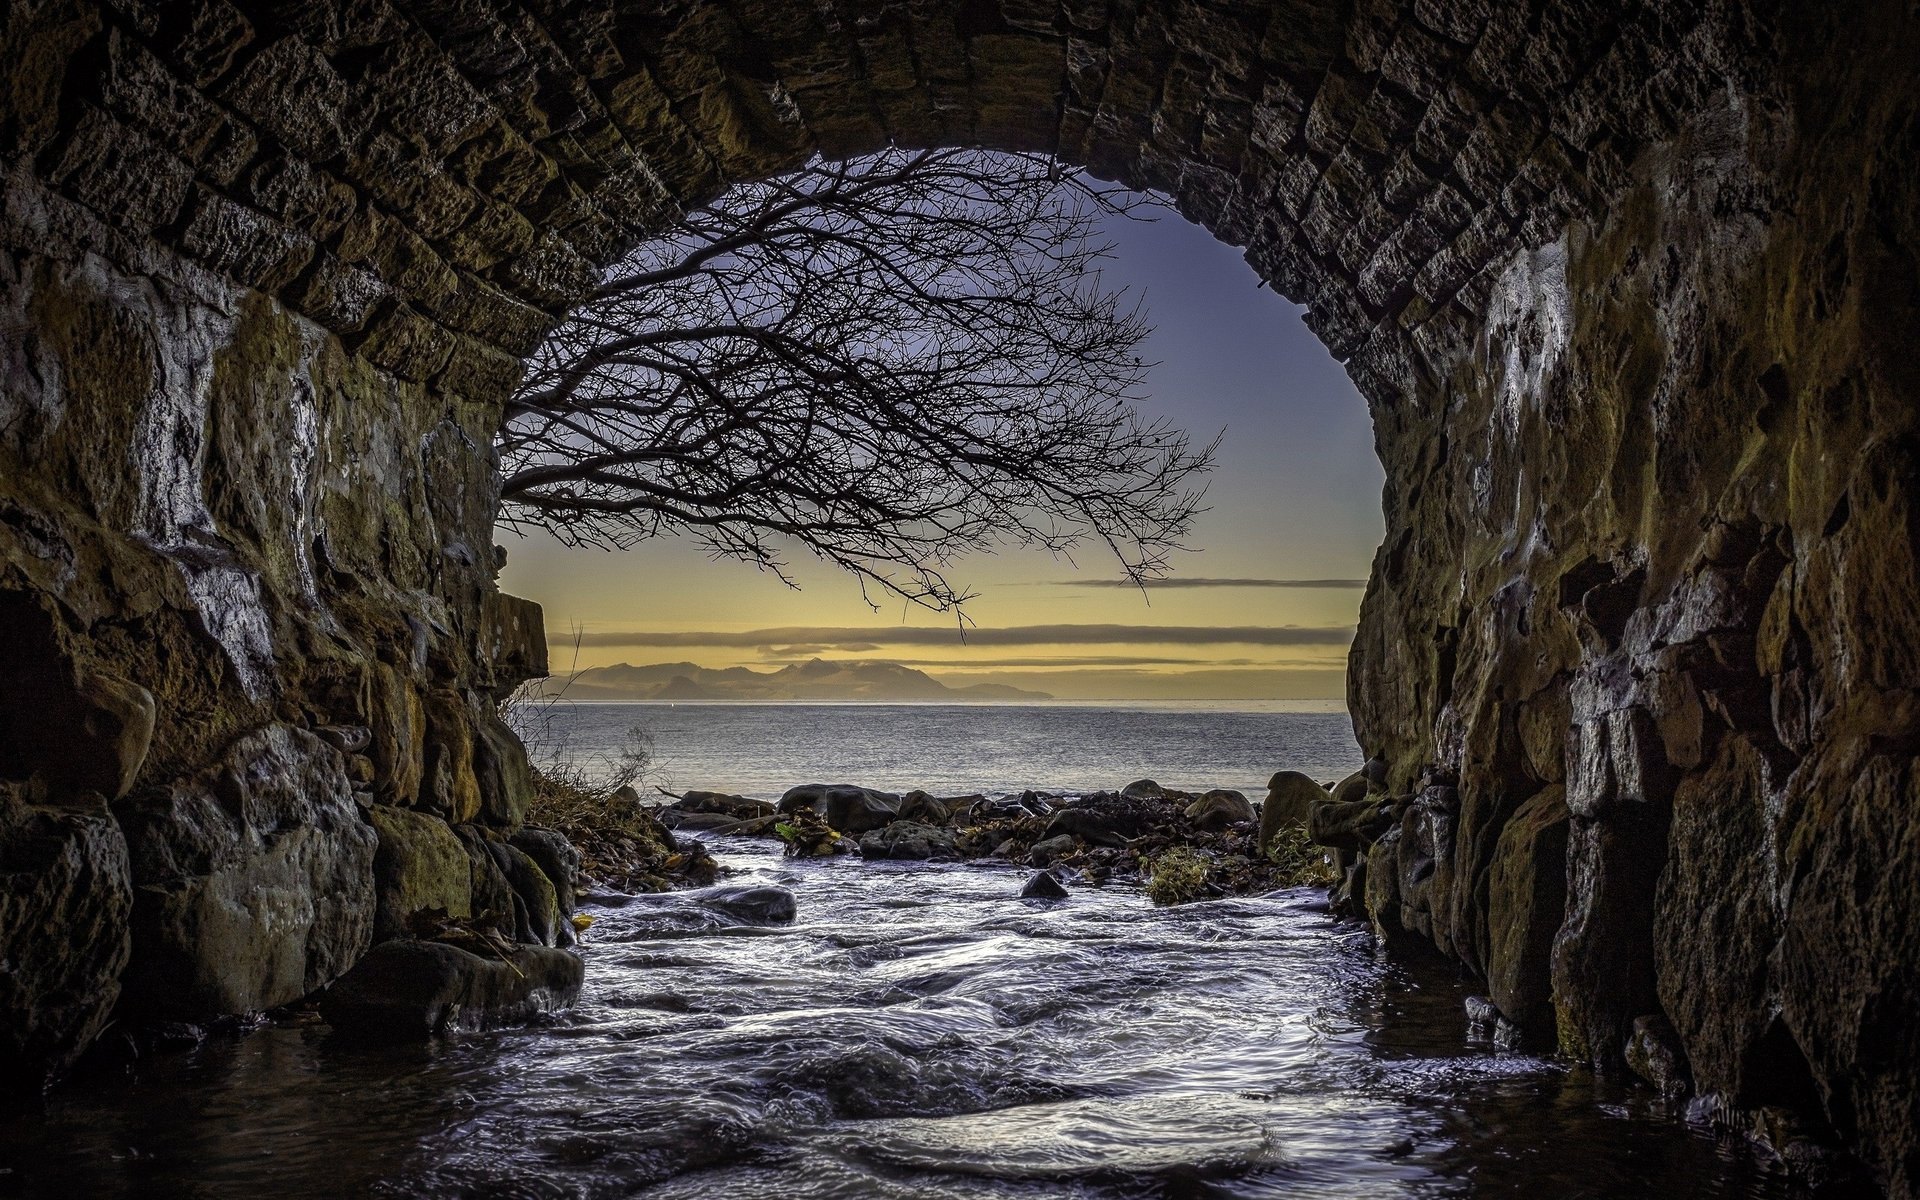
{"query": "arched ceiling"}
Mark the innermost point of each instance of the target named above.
(435, 180)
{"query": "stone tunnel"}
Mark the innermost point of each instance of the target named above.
(1629, 287)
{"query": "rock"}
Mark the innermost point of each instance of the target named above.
(539, 920)
(909, 839)
(408, 990)
(1290, 795)
(1049, 849)
(253, 881)
(1353, 787)
(1106, 819)
(1526, 900)
(1044, 885)
(1375, 772)
(115, 731)
(1350, 826)
(739, 808)
(449, 787)
(1219, 808)
(1143, 789)
(925, 809)
(65, 905)
(421, 868)
(848, 809)
(502, 773)
(749, 905)
(492, 899)
(557, 858)
(348, 739)
(1655, 1055)
(697, 822)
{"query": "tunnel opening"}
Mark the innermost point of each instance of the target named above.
(1564, 248)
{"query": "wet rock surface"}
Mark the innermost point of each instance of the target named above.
(253, 883)
(1094, 838)
(406, 989)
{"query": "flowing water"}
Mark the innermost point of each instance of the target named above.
(918, 1032)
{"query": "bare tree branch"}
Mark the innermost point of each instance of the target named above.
(891, 361)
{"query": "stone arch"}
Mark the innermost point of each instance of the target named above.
(1627, 286)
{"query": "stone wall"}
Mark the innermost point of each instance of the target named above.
(1648, 603)
(245, 596)
(1626, 285)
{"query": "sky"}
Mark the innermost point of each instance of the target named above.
(1263, 608)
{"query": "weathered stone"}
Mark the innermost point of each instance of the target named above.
(421, 869)
(1290, 796)
(1044, 885)
(557, 858)
(1654, 1054)
(408, 990)
(908, 839)
(1219, 808)
(65, 902)
(850, 810)
(740, 808)
(1526, 899)
(538, 917)
(253, 881)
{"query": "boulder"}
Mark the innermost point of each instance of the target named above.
(111, 737)
(925, 809)
(421, 867)
(739, 808)
(697, 822)
(1106, 819)
(1219, 808)
(1655, 1055)
(492, 900)
(65, 902)
(1350, 826)
(1143, 789)
(253, 881)
(1353, 787)
(909, 839)
(409, 990)
(557, 858)
(502, 772)
(1526, 900)
(749, 905)
(1289, 797)
(1044, 885)
(538, 918)
(848, 809)
(1049, 849)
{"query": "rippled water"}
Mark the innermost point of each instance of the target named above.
(958, 749)
(918, 1032)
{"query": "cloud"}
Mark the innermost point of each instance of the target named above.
(1080, 662)
(813, 650)
(1203, 581)
(861, 640)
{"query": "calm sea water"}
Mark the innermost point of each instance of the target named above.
(952, 749)
(918, 1032)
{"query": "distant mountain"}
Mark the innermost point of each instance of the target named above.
(815, 679)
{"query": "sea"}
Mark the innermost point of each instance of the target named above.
(762, 750)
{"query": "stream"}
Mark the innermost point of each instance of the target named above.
(917, 1032)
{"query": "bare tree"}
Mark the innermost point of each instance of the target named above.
(891, 361)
